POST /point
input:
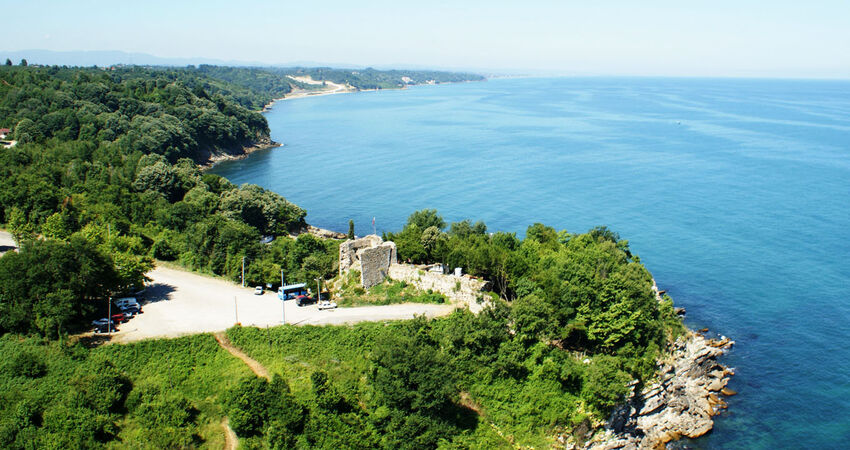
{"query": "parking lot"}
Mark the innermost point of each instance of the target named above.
(179, 302)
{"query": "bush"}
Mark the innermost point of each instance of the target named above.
(26, 364)
(605, 383)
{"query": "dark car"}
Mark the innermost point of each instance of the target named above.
(131, 310)
(303, 300)
(103, 325)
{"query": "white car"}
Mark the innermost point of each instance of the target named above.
(126, 301)
(258, 290)
(327, 304)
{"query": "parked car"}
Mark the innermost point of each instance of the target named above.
(258, 290)
(120, 317)
(131, 310)
(103, 325)
(303, 300)
(126, 301)
(327, 304)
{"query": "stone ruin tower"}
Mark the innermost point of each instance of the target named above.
(370, 255)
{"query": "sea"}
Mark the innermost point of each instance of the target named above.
(735, 193)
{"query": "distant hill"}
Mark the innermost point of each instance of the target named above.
(110, 57)
(104, 58)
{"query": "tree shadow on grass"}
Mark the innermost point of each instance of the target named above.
(94, 340)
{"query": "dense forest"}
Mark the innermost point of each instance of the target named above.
(102, 184)
(103, 164)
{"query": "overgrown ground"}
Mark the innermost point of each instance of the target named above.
(151, 394)
(350, 292)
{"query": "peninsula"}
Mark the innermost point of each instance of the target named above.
(555, 339)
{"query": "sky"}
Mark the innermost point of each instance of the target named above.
(751, 38)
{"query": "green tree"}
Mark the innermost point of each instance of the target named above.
(59, 226)
(21, 229)
(51, 286)
(8, 62)
(426, 218)
(409, 372)
(23, 62)
(350, 229)
(431, 238)
(605, 383)
(27, 131)
(158, 177)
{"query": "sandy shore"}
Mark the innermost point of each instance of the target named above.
(330, 89)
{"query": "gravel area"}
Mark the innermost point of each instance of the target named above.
(179, 303)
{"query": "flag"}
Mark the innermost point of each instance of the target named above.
(373, 221)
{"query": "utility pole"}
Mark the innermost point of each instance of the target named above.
(109, 315)
(282, 300)
(243, 271)
(235, 309)
(318, 289)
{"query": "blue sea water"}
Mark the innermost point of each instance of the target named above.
(735, 193)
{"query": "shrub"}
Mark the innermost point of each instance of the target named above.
(26, 364)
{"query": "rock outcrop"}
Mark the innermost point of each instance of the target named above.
(681, 403)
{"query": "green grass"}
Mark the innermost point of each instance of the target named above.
(194, 367)
(387, 293)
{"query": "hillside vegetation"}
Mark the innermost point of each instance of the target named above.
(102, 183)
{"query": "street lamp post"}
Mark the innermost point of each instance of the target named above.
(282, 300)
(318, 289)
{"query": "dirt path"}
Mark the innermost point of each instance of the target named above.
(230, 439)
(252, 363)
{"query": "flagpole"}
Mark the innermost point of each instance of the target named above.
(374, 230)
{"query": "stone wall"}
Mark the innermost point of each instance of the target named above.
(464, 290)
(376, 260)
(375, 263)
(348, 250)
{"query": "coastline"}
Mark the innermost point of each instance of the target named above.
(302, 93)
(680, 403)
(208, 159)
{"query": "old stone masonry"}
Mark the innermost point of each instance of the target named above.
(370, 255)
(376, 260)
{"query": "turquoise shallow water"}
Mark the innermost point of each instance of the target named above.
(733, 192)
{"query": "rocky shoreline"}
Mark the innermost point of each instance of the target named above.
(681, 403)
(206, 159)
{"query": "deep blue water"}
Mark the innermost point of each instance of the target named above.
(735, 193)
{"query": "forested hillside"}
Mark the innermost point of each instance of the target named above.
(101, 183)
(102, 163)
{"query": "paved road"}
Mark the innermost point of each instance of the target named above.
(180, 303)
(6, 242)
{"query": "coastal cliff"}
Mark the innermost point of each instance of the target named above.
(681, 403)
(209, 157)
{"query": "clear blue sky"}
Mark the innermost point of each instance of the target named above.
(684, 37)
